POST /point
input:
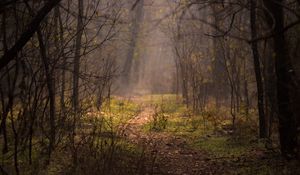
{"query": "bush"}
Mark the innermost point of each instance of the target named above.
(160, 120)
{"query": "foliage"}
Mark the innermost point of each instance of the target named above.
(160, 120)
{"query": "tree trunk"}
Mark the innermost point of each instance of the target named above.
(77, 56)
(64, 64)
(259, 82)
(76, 71)
(218, 65)
(132, 46)
(51, 91)
(285, 84)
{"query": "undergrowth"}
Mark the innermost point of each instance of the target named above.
(211, 131)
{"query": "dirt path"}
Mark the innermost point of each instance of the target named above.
(166, 154)
(172, 155)
(132, 129)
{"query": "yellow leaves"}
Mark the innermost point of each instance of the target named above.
(184, 2)
(136, 55)
(205, 80)
(209, 68)
(196, 56)
(227, 63)
(232, 45)
(242, 29)
(36, 44)
(97, 14)
(159, 13)
(213, 58)
(95, 41)
(125, 11)
(33, 44)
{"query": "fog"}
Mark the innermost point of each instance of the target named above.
(153, 68)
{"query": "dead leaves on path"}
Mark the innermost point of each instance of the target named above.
(172, 155)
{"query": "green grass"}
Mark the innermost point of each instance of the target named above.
(199, 130)
(113, 113)
(237, 151)
(222, 146)
(161, 98)
(181, 121)
(96, 128)
(120, 111)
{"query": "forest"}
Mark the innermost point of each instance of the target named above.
(145, 87)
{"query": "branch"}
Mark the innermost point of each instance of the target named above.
(272, 34)
(27, 34)
(135, 4)
(227, 31)
(5, 3)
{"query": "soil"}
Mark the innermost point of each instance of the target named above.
(166, 154)
(170, 154)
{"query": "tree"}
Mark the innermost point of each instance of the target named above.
(258, 76)
(135, 29)
(286, 80)
(76, 72)
(26, 35)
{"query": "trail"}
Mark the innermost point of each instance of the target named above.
(171, 154)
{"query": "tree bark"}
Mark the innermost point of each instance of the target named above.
(259, 82)
(137, 18)
(76, 72)
(285, 85)
(77, 56)
(51, 91)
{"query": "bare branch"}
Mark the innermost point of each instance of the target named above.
(26, 35)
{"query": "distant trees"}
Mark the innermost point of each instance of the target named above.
(76, 74)
(242, 52)
(135, 29)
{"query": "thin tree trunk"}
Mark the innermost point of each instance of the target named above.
(259, 82)
(64, 66)
(77, 56)
(51, 91)
(16, 144)
(76, 71)
(246, 91)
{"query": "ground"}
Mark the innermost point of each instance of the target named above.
(158, 135)
(172, 155)
(175, 153)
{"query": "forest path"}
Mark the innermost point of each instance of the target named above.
(169, 154)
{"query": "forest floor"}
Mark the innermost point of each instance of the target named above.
(182, 152)
(158, 135)
(171, 154)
